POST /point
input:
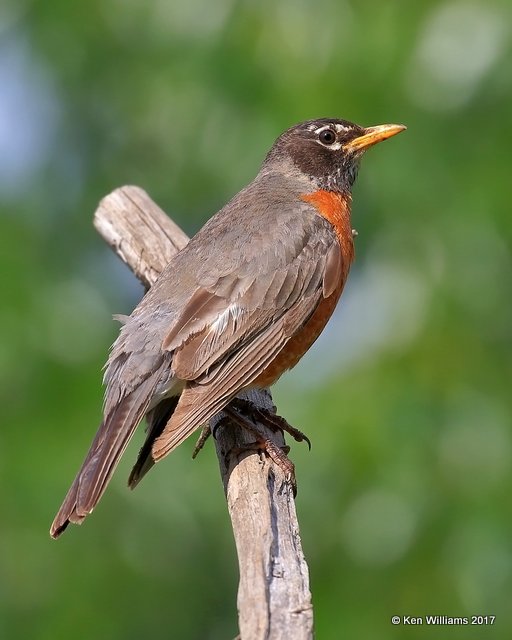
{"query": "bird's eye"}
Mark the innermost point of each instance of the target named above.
(327, 136)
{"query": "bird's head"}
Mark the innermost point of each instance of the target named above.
(328, 150)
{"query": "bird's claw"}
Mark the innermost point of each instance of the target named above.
(270, 420)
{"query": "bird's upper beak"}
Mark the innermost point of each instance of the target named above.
(372, 135)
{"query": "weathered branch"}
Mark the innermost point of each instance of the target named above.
(141, 234)
(274, 601)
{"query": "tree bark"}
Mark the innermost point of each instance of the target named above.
(274, 600)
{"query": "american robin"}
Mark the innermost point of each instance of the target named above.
(235, 308)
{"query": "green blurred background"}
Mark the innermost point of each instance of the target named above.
(404, 500)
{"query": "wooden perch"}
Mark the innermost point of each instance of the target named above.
(274, 601)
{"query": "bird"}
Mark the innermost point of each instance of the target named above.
(238, 306)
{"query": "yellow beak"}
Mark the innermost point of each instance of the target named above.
(372, 135)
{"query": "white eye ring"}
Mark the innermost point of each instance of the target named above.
(327, 136)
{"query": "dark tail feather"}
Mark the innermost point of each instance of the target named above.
(106, 450)
(156, 419)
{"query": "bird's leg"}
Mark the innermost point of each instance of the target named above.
(206, 432)
(269, 419)
(277, 454)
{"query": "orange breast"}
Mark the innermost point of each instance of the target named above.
(297, 346)
(336, 209)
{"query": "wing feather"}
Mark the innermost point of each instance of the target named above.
(211, 338)
(156, 419)
(210, 393)
(107, 448)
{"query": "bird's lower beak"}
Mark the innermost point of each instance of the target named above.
(372, 135)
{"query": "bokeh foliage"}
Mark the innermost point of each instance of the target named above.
(404, 500)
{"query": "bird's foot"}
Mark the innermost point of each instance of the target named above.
(269, 419)
(243, 413)
(277, 454)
